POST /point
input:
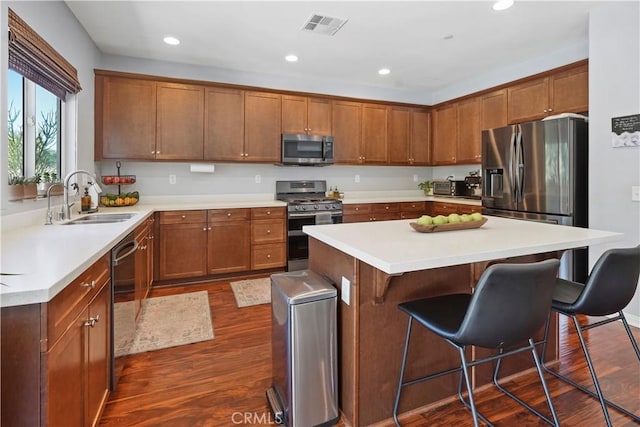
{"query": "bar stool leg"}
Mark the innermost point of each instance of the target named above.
(402, 368)
(465, 369)
(626, 328)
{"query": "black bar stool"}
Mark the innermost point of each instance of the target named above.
(510, 304)
(609, 289)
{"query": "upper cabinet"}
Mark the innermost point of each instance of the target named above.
(125, 118)
(306, 115)
(374, 133)
(408, 136)
(262, 124)
(494, 109)
(347, 131)
(180, 122)
(224, 124)
(445, 134)
(469, 144)
(562, 92)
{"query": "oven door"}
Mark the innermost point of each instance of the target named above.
(298, 241)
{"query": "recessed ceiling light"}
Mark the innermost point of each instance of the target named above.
(502, 4)
(291, 58)
(171, 40)
(384, 71)
(448, 36)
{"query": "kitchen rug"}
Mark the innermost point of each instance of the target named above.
(252, 292)
(164, 322)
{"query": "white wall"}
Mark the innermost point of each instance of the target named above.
(614, 90)
(58, 26)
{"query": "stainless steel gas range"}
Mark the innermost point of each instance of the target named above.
(306, 205)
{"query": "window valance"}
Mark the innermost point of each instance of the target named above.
(31, 56)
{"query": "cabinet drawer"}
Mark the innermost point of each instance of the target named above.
(355, 209)
(271, 255)
(266, 213)
(385, 207)
(182, 217)
(356, 218)
(220, 215)
(267, 231)
(412, 207)
(386, 216)
(73, 299)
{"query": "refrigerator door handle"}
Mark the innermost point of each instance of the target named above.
(520, 162)
(513, 163)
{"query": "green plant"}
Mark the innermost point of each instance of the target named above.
(34, 179)
(16, 180)
(426, 186)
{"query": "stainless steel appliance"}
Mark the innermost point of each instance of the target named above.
(123, 319)
(306, 150)
(473, 185)
(538, 171)
(449, 187)
(304, 390)
(306, 205)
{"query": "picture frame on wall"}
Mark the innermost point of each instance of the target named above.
(625, 131)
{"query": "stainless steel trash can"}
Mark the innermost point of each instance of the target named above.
(304, 389)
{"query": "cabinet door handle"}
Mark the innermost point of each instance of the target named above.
(268, 212)
(386, 207)
(208, 228)
(184, 217)
(91, 284)
(92, 321)
(268, 256)
(268, 231)
(204, 228)
(229, 215)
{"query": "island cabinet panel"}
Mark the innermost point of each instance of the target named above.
(180, 122)
(469, 142)
(306, 115)
(262, 127)
(494, 110)
(347, 131)
(55, 357)
(182, 245)
(445, 135)
(223, 124)
(125, 118)
(374, 133)
(143, 263)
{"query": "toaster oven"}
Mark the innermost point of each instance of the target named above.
(449, 188)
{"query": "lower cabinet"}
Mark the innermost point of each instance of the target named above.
(441, 208)
(220, 241)
(411, 210)
(143, 262)
(361, 212)
(58, 375)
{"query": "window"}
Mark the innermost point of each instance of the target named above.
(34, 128)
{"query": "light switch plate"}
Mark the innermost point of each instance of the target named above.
(357, 178)
(345, 290)
(172, 179)
(635, 193)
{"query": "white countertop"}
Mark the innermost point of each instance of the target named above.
(394, 247)
(49, 257)
(392, 198)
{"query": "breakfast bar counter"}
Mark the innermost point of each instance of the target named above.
(378, 265)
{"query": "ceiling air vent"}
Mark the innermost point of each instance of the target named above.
(326, 25)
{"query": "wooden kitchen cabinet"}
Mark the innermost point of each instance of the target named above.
(306, 115)
(182, 244)
(409, 210)
(494, 110)
(125, 112)
(561, 92)
(56, 355)
(445, 135)
(364, 212)
(262, 127)
(180, 122)
(143, 263)
(408, 136)
(347, 131)
(229, 240)
(374, 134)
(469, 135)
(224, 124)
(268, 238)
(445, 208)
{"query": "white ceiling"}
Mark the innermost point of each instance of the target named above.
(407, 37)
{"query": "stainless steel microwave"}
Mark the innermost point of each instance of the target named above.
(307, 150)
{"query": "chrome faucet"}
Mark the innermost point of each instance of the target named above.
(49, 218)
(66, 206)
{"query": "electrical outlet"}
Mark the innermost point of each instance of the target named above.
(345, 290)
(172, 179)
(415, 178)
(258, 179)
(357, 178)
(635, 193)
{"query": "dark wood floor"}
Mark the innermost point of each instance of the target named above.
(222, 382)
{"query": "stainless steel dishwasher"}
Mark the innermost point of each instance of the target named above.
(123, 273)
(304, 390)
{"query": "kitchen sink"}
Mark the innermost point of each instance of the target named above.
(101, 218)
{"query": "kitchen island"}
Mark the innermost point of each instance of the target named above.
(378, 265)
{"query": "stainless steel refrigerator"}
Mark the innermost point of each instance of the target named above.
(537, 171)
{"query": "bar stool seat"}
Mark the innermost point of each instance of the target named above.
(510, 304)
(610, 287)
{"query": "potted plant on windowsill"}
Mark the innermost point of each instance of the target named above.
(31, 187)
(427, 187)
(16, 188)
(48, 179)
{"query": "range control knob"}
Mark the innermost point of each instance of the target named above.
(315, 206)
